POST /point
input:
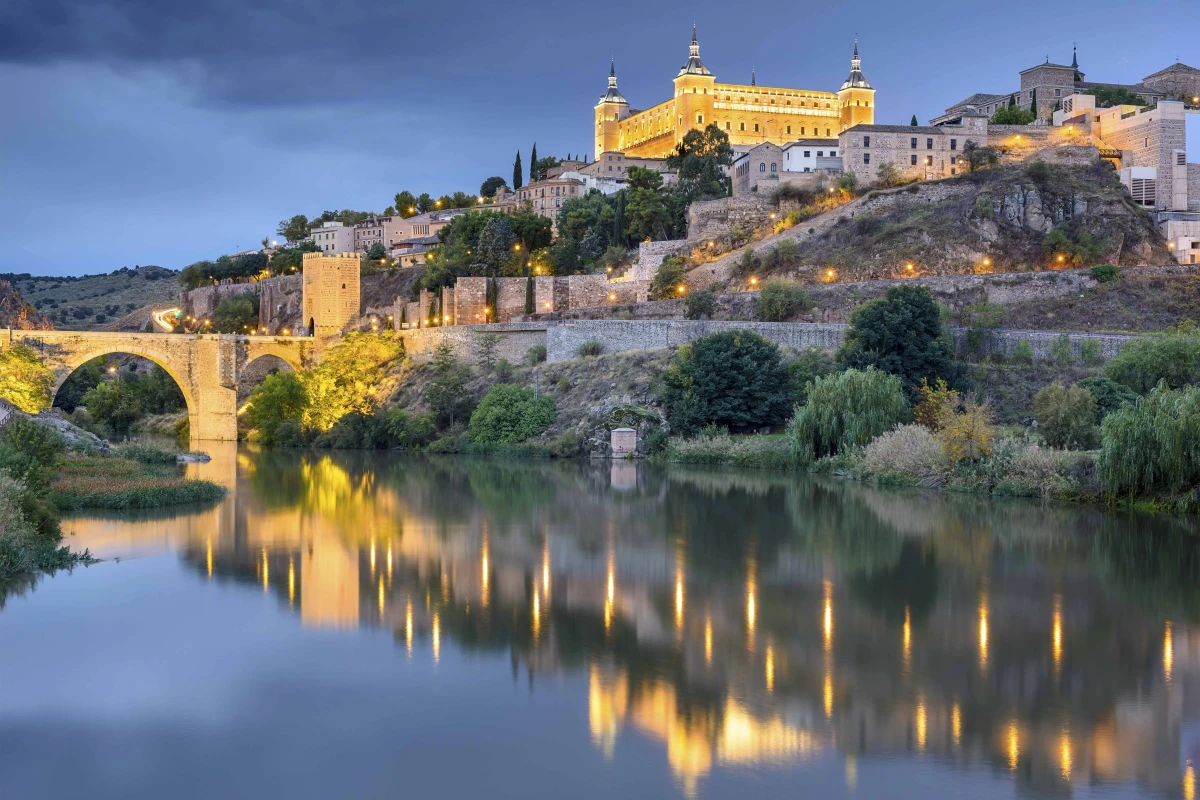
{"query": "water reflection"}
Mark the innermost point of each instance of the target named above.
(740, 620)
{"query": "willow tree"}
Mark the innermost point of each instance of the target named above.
(847, 409)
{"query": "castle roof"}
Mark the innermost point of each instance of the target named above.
(694, 65)
(1046, 64)
(613, 95)
(856, 80)
(1178, 66)
(977, 99)
(1136, 88)
(895, 129)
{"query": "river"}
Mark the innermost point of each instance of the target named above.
(367, 625)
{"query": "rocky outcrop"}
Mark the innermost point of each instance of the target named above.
(16, 313)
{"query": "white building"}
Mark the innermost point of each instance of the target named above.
(332, 237)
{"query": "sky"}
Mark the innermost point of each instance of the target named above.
(142, 132)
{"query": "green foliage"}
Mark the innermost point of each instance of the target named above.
(1012, 115)
(504, 370)
(28, 451)
(1060, 351)
(978, 157)
(146, 453)
(808, 365)
(984, 207)
(113, 404)
(281, 399)
(446, 392)
(1066, 416)
(1173, 357)
(490, 185)
(238, 314)
(509, 414)
(348, 378)
(701, 160)
(646, 211)
(1023, 352)
(294, 229)
(592, 347)
(535, 355)
(717, 447)
(1038, 171)
(733, 378)
(901, 334)
(486, 345)
(667, 280)
(1109, 395)
(529, 295)
(1154, 445)
(1105, 273)
(886, 174)
(405, 203)
(411, 430)
(518, 173)
(847, 410)
(495, 249)
(1109, 96)
(1089, 351)
(780, 300)
(1078, 248)
(700, 304)
(24, 380)
(567, 444)
(79, 383)
(204, 273)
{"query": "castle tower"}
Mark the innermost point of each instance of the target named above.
(694, 93)
(330, 294)
(611, 109)
(856, 98)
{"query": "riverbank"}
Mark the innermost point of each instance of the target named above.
(146, 478)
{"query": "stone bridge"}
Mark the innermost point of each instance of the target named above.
(206, 366)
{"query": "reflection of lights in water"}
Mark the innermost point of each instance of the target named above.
(437, 639)
(708, 640)
(922, 723)
(828, 692)
(956, 724)
(1064, 748)
(907, 638)
(266, 572)
(389, 562)
(1189, 782)
(382, 598)
(770, 669)
(537, 613)
(1168, 652)
(983, 632)
(851, 772)
(610, 592)
(679, 604)
(546, 569)
(1058, 633)
(1014, 746)
(828, 615)
(372, 556)
(408, 625)
(210, 558)
(291, 581)
(751, 601)
(484, 570)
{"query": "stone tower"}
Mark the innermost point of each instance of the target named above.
(330, 293)
(856, 98)
(694, 93)
(611, 109)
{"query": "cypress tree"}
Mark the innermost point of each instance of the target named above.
(529, 295)
(493, 295)
(403, 316)
(517, 171)
(1033, 104)
(914, 121)
(1012, 101)
(533, 176)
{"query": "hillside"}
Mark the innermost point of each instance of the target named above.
(996, 220)
(93, 301)
(16, 313)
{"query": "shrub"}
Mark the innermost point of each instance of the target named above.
(966, 431)
(1066, 417)
(668, 279)
(592, 347)
(1105, 273)
(509, 414)
(1089, 351)
(909, 451)
(780, 300)
(718, 447)
(748, 263)
(486, 345)
(535, 355)
(1038, 171)
(504, 371)
(700, 304)
(1109, 395)
(146, 453)
(1023, 352)
(901, 334)
(933, 402)
(809, 364)
(1060, 350)
(732, 378)
(24, 380)
(238, 314)
(28, 452)
(567, 444)
(847, 410)
(1173, 357)
(984, 208)
(411, 430)
(1153, 445)
(281, 398)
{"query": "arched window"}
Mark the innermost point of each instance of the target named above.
(772, 166)
(762, 167)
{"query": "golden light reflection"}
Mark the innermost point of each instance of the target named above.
(390, 562)
(546, 569)
(291, 582)
(828, 692)
(983, 632)
(408, 625)
(372, 556)
(851, 772)
(1014, 746)
(1168, 652)
(751, 601)
(437, 639)
(770, 668)
(210, 559)
(956, 724)
(1058, 634)
(484, 571)
(828, 615)
(266, 571)
(1189, 782)
(1064, 747)
(922, 723)
(382, 598)
(907, 639)
(537, 613)
(610, 592)
(679, 605)
(708, 640)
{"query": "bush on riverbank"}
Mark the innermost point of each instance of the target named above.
(112, 482)
(717, 447)
(847, 410)
(1152, 448)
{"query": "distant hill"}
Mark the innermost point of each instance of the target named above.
(16, 313)
(94, 301)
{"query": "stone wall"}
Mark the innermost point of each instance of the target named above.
(510, 298)
(650, 258)
(1194, 186)
(200, 303)
(1152, 139)
(713, 219)
(515, 340)
(470, 298)
(279, 302)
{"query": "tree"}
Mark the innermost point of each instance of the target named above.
(780, 300)
(495, 248)
(376, 253)
(294, 229)
(901, 334)
(1109, 395)
(281, 398)
(1012, 115)
(1172, 357)
(533, 231)
(733, 378)
(533, 160)
(424, 203)
(486, 345)
(542, 166)
(24, 380)
(529, 295)
(406, 204)
(668, 279)
(913, 121)
(701, 161)
(1109, 96)
(1066, 416)
(847, 409)
(978, 157)
(887, 175)
(490, 185)
(646, 211)
(517, 172)
(509, 414)
(79, 383)
(1033, 106)
(114, 404)
(237, 314)
(445, 393)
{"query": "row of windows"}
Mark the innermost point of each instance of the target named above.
(808, 154)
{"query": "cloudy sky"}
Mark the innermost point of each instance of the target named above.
(142, 132)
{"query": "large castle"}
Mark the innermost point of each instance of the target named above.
(750, 115)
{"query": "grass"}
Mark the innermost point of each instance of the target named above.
(751, 452)
(113, 482)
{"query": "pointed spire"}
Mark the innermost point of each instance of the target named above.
(1074, 56)
(612, 68)
(694, 65)
(613, 95)
(856, 45)
(856, 78)
(753, 80)
(694, 32)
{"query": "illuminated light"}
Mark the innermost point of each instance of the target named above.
(983, 632)
(1189, 782)
(517, 246)
(612, 296)
(1014, 746)
(546, 570)
(389, 562)
(708, 640)
(610, 593)
(547, 305)
(1170, 245)
(291, 582)
(1168, 652)
(754, 281)
(907, 638)
(908, 267)
(772, 215)
(537, 613)
(680, 290)
(1064, 755)
(382, 598)
(987, 262)
(1061, 259)
(484, 570)
(829, 274)
(408, 625)
(770, 669)
(372, 556)
(828, 616)
(922, 723)
(437, 639)
(1057, 635)
(956, 724)
(266, 571)
(608, 269)
(828, 692)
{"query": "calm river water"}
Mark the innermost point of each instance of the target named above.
(360, 625)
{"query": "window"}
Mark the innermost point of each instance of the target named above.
(953, 171)
(953, 159)
(832, 153)
(914, 160)
(772, 166)
(866, 158)
(762, 167)
(726, 126)
(808, 153)
(801, 131)
(820, 153)
(953, 146)
(1058, 92)
(827, 133)
(789, 127)
(929, 143)
(741, 126)
(699, 119)
(756, 127)
(914, 142)
(866, 141)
